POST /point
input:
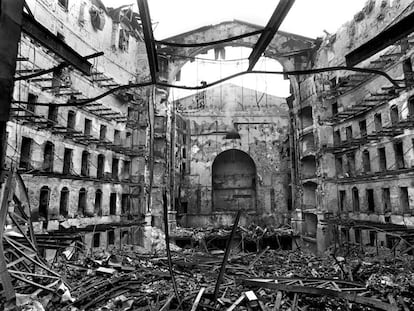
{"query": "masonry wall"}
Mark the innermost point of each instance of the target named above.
(123, 115)
(341, 111)
(261, 121)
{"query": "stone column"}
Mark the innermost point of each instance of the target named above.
(147, 231)
(297, 226)
(323, 235)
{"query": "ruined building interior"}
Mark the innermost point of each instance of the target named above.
(233, 166)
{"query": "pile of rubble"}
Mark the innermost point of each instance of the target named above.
(132, 279)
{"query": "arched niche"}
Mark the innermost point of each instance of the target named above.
(234, 181)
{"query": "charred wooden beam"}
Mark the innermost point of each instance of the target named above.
(149, 38)
(389, 36)
(48, 39)
(271, 28)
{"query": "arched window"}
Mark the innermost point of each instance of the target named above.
(71, 119)
(98, 202)
(44, 202)
(48, 157)
(64, 200)
(82, 202)
(85, 163)
(234, 181)
(355, 199)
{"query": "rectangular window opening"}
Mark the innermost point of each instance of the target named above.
(382, 159)
(404, 199)
(399, 155)
(342, 198)
(370, 200)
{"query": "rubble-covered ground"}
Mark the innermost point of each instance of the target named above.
(132, 279)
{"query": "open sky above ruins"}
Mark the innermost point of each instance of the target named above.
(310, 18)
(307, 17)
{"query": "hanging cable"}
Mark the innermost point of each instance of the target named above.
(81, 102)
(202, 44)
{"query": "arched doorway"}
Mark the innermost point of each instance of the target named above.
(234, 181)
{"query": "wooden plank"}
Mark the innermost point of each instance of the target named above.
(295, 302)
(352, 297)
(4, 274)
(236, 303)
(278, 301)
(166, 305)
(197, 299)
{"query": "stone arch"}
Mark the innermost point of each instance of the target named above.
(290, 50)
(233, 181)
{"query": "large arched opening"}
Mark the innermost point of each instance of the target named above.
(233, 181)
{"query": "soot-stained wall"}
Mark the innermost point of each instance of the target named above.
(253, 176)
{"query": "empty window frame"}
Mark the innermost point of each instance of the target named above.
(404, 199)
(306, 117)
(117, 137)
(339, 165)
(115, 165)
(337, 138)
(128, 139)
(31, 101)
(370, 200)
(102, 132)
(25, 153)
(348, 131)
(44, 202)
(355, 199)
(88, 127)
(85, 163)
(101, 166)
(48, 157)
(351, 163)
(411, 107)
(64, 201)
(126, 169)
(366, 161)
(363, 128)
(52, 114)
(67, 161)
(386, 200)
(342, 199)
(111, 237)
(56, 80)
(394, 115)
(382, 158)
(372, 238)
(408, 71)
(125, 204)
(378, 122)
(82, 202)
(399, 155)
(357, 233)
(112, 204)
(71, 120)
(97, 239)
(98, 203)
(123, 42)
(334, 108)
